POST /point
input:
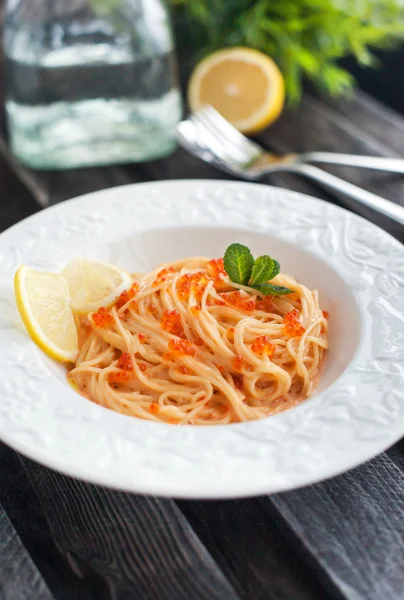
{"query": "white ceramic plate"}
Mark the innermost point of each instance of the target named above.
(357, 412)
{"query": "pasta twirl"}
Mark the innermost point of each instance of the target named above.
(186, 345)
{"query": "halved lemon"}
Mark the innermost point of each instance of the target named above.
(94, 284)
(43, 302)
(243, 84)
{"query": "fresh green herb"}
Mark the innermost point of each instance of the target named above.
(238, 262)
(307, 38)
(241, 267)
(272, 290)
(264, 269)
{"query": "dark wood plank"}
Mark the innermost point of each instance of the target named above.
(19, 577)
(253, 551)
(141, 547)
(353, 527)
(24, 510)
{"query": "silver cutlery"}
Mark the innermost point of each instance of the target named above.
(207, 135)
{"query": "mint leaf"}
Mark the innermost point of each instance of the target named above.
(272, 290)
(264, 269)
(238, 263)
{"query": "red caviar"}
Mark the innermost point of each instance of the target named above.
(265, 304)
(181, 347)
(293, 326)
(198, 341)
(119, 376)
(102, 318)
(326, 314)
(215, 302)
(195, 310)
(215, 267)
(238, 364)
(239, 301)
(162, 275)
(171, 322)
(141, 337)
(183, 370)
(220, 368)
(192, 282)
(125, 362)
(173, 421)
(142, 367)
(262, 345)
(127, 295)
(152, 309)
(154, 408)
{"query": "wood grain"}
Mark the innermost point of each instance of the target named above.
(353, 526)
(140, 547)
(19, 577)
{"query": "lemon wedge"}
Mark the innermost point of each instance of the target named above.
(243, 84)
(94, 284)
(44, 305)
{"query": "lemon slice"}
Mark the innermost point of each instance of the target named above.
(244, 85)
(94, 284)
(44, 305)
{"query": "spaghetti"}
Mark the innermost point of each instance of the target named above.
(186, 345)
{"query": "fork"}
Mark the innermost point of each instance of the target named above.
(209, 136)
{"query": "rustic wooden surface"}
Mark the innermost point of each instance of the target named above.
(342, 539)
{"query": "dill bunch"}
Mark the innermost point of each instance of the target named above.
(307, 38)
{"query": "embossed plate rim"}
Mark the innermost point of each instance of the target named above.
(46, 421)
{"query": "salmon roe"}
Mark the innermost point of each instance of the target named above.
(265, 304)
(326, 314)
(262, 345)
(125, 362)
(141, 337)
(215, 269)
(152, 309)
(183, 370)
(102, 318)
(238, 364)
(173, 421)
(163, 275)
(119, 376)
(293, 326)
(127, 295)
(171, 322)
(195, 310)
(239, 301)
(198, 341)
(215, 302)
(154, 408)
(142, 367)
(192, 282)
(181, 348)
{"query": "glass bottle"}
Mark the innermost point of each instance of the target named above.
(89, 82)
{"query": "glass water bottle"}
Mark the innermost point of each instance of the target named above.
(90, 82)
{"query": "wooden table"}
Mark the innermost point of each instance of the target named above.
(342, 539)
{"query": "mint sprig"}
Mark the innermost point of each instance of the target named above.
(238, 263)
(264, 269)
(241, 267)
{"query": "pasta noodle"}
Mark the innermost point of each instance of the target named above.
(186, 345)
